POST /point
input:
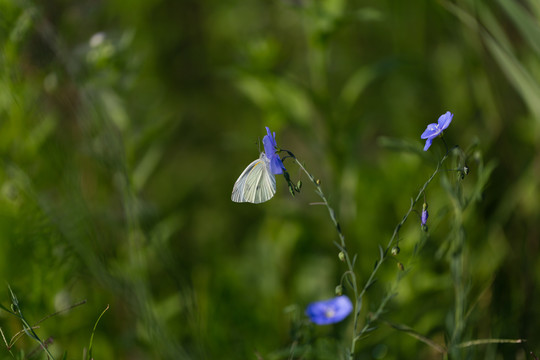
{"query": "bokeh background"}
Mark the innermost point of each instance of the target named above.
(124, 125)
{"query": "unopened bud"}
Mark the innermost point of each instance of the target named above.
(291, 190)
(424, 215)
(298, 185)
(395, 250)
(341, 256)
(400, 266)
(318, 182)
(339, 290)
(466, 170)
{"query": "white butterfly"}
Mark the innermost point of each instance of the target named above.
(256, 184)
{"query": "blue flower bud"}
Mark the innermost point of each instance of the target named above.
(424, 216)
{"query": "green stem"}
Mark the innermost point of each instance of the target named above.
(343, 247)
(393, 239)
(350, 263)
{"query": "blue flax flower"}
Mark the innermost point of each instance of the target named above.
(329, 311)
(434, 130)
(270, 149)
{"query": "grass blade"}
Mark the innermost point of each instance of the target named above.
(93, 331)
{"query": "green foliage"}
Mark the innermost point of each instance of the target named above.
(124, 124)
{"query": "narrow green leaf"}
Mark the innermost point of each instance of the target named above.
(501, 51)
(355, 85)
(93, 332)
(526, 24)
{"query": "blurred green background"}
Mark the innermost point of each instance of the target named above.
(124, 125)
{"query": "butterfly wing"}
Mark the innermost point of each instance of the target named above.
(256, 184)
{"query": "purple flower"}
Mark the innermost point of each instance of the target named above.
(329, 311)
(270, 149)
(424, 217)
(434, 130)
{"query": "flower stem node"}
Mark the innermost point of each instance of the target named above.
(464, 172)
(286, 176)
(395, 250)
(341, 256)
(339, 290)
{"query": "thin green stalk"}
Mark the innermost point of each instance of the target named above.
(93, 332)
(383, 254)
(342, 246)
(442, 349)
(29, 330)
(490, 341)
(419, 196)
(400, 327)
